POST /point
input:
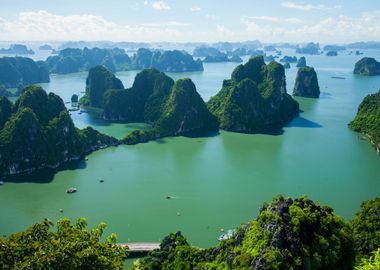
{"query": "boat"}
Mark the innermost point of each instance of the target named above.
(101, 181)
(1, 183)
(227, 235)
(71, 190)
(338, 77)
(168, 197)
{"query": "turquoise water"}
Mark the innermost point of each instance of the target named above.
(217, 182)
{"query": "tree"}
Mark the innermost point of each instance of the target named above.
(70, 246)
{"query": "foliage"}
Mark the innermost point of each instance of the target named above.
(367, 66)
(371, 263)
(306, 83)
(167, 61)
(73, 60)
(287, 234)
(18, 72)
(183, 113)
(366, 228)
(39, 133)
(255, 99)
(98, 81)
(367, 119)
(70, 246)
(143, 102)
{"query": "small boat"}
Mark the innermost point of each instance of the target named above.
(71, 190)
(228, 235)
(1, 183)
(101, 181)
(338, 77)
(61, 210)
(168, 197)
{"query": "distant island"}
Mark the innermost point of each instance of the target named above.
(289, 59)
(37, 132)
(166, 61)
(16, 49)
(18, 72)
(332, 53)
(306, 83)
(367, 120)
(367, 66)
(334, 48)
(309, 48)
(301, 62)
(254, 100)
(73, 60)
(45, 47)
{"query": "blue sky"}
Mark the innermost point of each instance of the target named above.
(181, 21)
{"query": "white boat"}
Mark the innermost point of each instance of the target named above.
(227, 235)
(71, 190)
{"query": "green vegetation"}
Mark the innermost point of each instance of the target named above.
(183, 113)
(74, 60)
(287, 234)
(98, 81)
(18, 72)
(366, 228)
(37, 132)
(296, 234)
(306, 83)
(143, 102)
(254, 99)
(70, 246)
(166, 61)
(367, 119)
(367, 66)
(372, 263)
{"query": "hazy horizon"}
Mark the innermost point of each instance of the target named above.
(150, 21)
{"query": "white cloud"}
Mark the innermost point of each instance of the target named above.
(308, 7)
(340, 29)
(195, 9)
(160, 5)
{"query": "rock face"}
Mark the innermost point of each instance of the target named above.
(286, 65)
(334, 48)
(143, 102)
(254, 99)
(301, 62)
(367, 66)
(18, 72)
(206, 51)
(288, 233)
(37, 132)
(367, 119)
(16, 49)
(306, 83)
(185, 112)
(98, 81)
(167, 61)
(289, 59)
(73, 60)
(309, 48)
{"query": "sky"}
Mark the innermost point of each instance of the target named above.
(325, 21)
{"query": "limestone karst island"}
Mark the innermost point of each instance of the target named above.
(190, 135)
